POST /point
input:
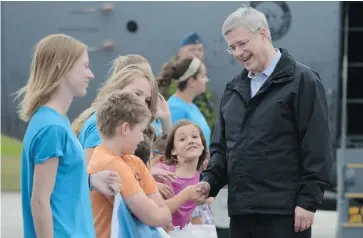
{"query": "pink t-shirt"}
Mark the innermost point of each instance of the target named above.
(182, 216)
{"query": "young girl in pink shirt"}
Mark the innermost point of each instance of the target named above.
(184, 155)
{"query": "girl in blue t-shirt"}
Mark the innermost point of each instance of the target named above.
(129, 73)
(192, 79)
(55, 186)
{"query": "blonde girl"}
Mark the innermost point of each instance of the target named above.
(55, 185)
(130, 73)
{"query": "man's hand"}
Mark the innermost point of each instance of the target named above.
(106, 182)
(304, 219)
(162, 174)
(165, 191)
(204, 188)
(194, 194)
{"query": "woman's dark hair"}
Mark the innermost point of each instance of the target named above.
(160, 144)
(150, 132)
(143, 150)
(173, 160)
(174, 71)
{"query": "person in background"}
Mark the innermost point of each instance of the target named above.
(158, 151)
(55, 186)
(122, 117)
(271, 143)
(192, 46)
(191, 77)
(143, 150)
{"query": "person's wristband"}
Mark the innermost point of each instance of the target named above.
(90, 183)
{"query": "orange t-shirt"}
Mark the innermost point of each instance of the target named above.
(135, 178)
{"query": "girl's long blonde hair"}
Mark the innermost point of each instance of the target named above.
(53, 57)
(124, 60)
(118, 81)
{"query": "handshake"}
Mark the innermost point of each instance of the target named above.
(199, 193)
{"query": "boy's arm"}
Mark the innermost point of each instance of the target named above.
(136, 200)
(147, 210)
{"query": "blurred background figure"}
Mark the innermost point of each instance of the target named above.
(192, 46)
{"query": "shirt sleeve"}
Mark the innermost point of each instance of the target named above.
(130, 182)
(49, 143)
(177, 114)
(216, 172)
(316, 143)
(92, 137)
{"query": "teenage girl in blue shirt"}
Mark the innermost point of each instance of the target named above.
(55, 186)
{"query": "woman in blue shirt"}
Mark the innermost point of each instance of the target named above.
(55, 186)
(192, 79)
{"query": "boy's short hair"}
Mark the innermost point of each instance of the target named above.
(118, 108)
(159, 145)
(143, 150)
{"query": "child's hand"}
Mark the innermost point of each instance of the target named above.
(169, 227)
(106, 182)
(165, 191)
(162, 108)
(195, 194)
(209, 200)
(162, 174)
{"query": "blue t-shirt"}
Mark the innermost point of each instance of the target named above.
(49, 135)
(180, 109)
(157, 127)
(89, 136)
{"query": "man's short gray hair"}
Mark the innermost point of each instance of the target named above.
(246, 17)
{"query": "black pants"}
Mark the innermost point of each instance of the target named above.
(265, 226)
(222, 232)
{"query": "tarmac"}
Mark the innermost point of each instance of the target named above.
(11, 219)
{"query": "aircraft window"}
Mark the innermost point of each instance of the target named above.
(132, 26)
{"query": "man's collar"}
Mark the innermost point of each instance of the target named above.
(270, 68)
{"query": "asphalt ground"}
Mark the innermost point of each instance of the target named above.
(11, 219)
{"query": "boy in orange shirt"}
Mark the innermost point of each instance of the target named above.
(121, 120)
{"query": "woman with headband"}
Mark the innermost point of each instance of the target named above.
(192, 79)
